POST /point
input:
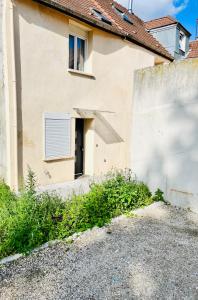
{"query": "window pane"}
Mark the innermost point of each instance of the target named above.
(80, 54)
(71, 52)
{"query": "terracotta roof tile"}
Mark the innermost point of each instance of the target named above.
(193, 52)
(135, 32)
(160, 22)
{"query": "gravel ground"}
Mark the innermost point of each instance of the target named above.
(151, 256)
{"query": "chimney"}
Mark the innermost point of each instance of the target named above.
(130, 6)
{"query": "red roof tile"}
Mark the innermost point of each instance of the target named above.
(135, 32)
(160, 22)
(193, 52)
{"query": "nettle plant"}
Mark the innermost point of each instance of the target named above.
(30, 219)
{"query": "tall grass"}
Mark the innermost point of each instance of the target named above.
(31, 219)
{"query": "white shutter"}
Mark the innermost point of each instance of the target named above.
(57, 135)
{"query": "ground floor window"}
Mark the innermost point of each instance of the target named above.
(57, 130)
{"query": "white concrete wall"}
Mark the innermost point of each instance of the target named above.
(165, 130)
(2, 101)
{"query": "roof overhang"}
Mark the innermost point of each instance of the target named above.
(90, 113)
(184, 29)
(170, 25)
(100, 25)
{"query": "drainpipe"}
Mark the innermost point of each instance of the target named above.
(11, 94)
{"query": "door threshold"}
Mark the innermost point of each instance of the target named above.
(82, 177)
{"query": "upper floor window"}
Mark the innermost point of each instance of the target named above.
(182, 41)
(123, 15)
(77, 52)
(100, 16)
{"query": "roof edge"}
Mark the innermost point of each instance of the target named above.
(95, 23)
(193, 41)
(174, 22)
(167, 16)
(188, 32)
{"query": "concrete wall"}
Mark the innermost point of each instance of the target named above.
(2, 100)
(165, 130)
(45, 85)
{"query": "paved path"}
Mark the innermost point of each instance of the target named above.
(149, 257)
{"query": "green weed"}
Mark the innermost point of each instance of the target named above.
(30, 219)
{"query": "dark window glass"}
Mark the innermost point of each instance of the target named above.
(100, 16)
(71, 51)
(80, 54)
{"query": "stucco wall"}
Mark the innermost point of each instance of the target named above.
(45, 85)
(165, 130)
(2, 102)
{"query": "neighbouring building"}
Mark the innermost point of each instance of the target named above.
(193, 51)
(68, 82)
(171, 34)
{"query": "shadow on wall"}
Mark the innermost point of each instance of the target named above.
(101, 126)
(19, 93)
(106, 132)
(165, 130)
(55, 22)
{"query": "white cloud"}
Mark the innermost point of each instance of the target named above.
(150, 9)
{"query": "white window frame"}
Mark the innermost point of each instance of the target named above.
(76, 36)
(182, 41)
(56, 116)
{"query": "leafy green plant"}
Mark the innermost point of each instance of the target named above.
(158, 196)
(116, 195)
(30, 185)
(30, 219)
(27, 220)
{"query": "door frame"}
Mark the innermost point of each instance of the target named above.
(77, 175)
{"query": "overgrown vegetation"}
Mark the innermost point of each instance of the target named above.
(31, 219)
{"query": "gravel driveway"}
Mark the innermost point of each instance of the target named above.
(151, 256)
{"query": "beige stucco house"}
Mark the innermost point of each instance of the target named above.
(66, 74)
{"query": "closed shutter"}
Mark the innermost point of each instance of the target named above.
(57, 135)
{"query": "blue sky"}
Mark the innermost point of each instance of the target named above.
(189, 15)
(186, 11)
